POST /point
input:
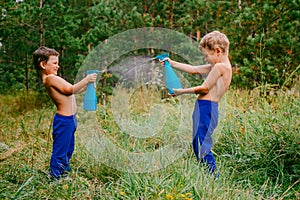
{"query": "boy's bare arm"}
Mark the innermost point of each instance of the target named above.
(203, 89)
(59, 84)
(213, 76)
(200, 69)
(81, 90)
(81, 85)
(65, 87)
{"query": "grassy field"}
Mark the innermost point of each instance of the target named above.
(257, 149)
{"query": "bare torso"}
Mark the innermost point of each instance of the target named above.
(221, 85)
(65, 102)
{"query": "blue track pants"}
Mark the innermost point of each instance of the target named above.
(205, 120)
(64, 128)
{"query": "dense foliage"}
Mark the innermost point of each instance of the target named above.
(263, 34)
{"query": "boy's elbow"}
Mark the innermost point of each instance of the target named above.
(202, 90)
(205, 90)
(69, 91)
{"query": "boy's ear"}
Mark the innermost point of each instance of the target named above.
(219, 50)
(42, 64)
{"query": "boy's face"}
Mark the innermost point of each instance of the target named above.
(51, 66)
(209, 55)
(213, 56)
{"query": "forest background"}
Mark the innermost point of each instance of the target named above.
(264, 34)
(257, 151)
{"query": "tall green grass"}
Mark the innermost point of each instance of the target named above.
(260, 142)
(257, 152)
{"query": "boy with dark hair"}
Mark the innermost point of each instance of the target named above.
(64, 122)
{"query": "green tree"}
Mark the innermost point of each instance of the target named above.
(263, 34)
(16, 32)
(27, 25)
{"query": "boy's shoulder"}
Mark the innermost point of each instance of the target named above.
(223, 64)
(223, 67)
(51, 78)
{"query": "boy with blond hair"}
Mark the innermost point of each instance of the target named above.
(64, 122)
(215, 48)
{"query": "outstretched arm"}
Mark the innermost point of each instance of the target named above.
(200, 69)
(203, 89)
(65, 87)
(81, 85)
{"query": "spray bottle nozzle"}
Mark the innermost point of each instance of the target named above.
(161, 57)
(92, 71)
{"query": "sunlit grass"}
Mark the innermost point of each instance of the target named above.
(257, 151)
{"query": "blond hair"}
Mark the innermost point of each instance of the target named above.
(214, 40)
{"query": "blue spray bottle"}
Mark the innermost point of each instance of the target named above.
(90, 97)
(172, 80)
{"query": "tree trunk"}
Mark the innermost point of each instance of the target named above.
(41, 41)
(198, 35)
(26, 75)
(171, 15)
(41, 23)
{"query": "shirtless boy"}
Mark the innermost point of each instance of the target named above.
(64, 122)
(215, 48)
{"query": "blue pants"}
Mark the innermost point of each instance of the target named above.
(205, 120)
(64, 128)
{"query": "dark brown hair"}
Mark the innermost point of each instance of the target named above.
(43, 54)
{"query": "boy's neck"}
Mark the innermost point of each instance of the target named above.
(44, 75)
(222, 59)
